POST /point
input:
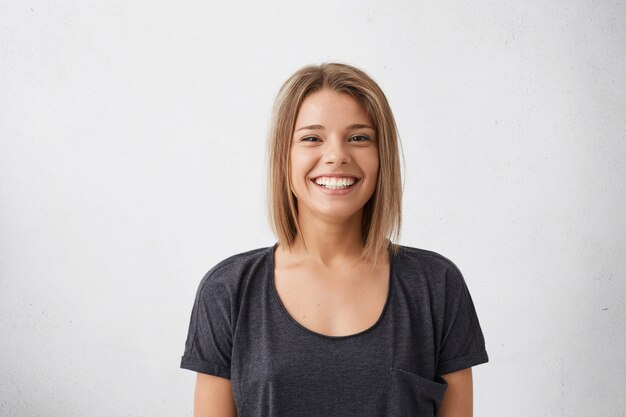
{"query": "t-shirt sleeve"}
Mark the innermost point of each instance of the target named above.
(209, 339)
(462, 344)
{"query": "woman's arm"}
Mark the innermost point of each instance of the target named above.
(213, 397)
(458, 399)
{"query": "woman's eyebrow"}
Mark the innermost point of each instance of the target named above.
(320, 127)
(311, 127)
(360, 126)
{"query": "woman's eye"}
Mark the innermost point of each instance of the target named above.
(362, 138)
(357, 138)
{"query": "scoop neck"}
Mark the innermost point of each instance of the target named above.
(272, 256)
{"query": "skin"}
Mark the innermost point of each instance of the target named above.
(333, 134)
(213, 397)
(458, 399)
(325, 141)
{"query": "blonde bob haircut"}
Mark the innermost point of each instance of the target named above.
(382, 214)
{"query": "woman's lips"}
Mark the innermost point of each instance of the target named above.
(340, 191)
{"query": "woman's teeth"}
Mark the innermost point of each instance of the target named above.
(334, 183)
(336, 187)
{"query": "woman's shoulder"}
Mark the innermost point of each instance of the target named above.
(425, 258)
(241, 259)
(430, 274)
(429, 262)
(231, 272)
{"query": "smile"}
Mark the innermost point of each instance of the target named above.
(336, 189)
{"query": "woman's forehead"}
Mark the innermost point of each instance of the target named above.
(331, 107)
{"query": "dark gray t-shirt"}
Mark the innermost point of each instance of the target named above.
(240, 330)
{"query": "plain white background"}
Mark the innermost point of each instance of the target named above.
(132, 146)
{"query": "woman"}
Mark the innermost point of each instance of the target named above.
(334, 319)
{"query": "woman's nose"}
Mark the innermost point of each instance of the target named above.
(336, 150)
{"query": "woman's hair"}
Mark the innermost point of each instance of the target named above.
(382, 214)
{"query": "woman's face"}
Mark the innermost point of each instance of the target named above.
(333, 134)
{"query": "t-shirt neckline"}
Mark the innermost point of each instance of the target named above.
(285, 313)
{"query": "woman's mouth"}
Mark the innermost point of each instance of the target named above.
(336, 189)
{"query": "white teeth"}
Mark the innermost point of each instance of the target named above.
(334, 182)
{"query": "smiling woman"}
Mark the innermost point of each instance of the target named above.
(341, 132)
(335, 111)
(335, 318)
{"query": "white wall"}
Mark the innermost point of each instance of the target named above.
(132, 137)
